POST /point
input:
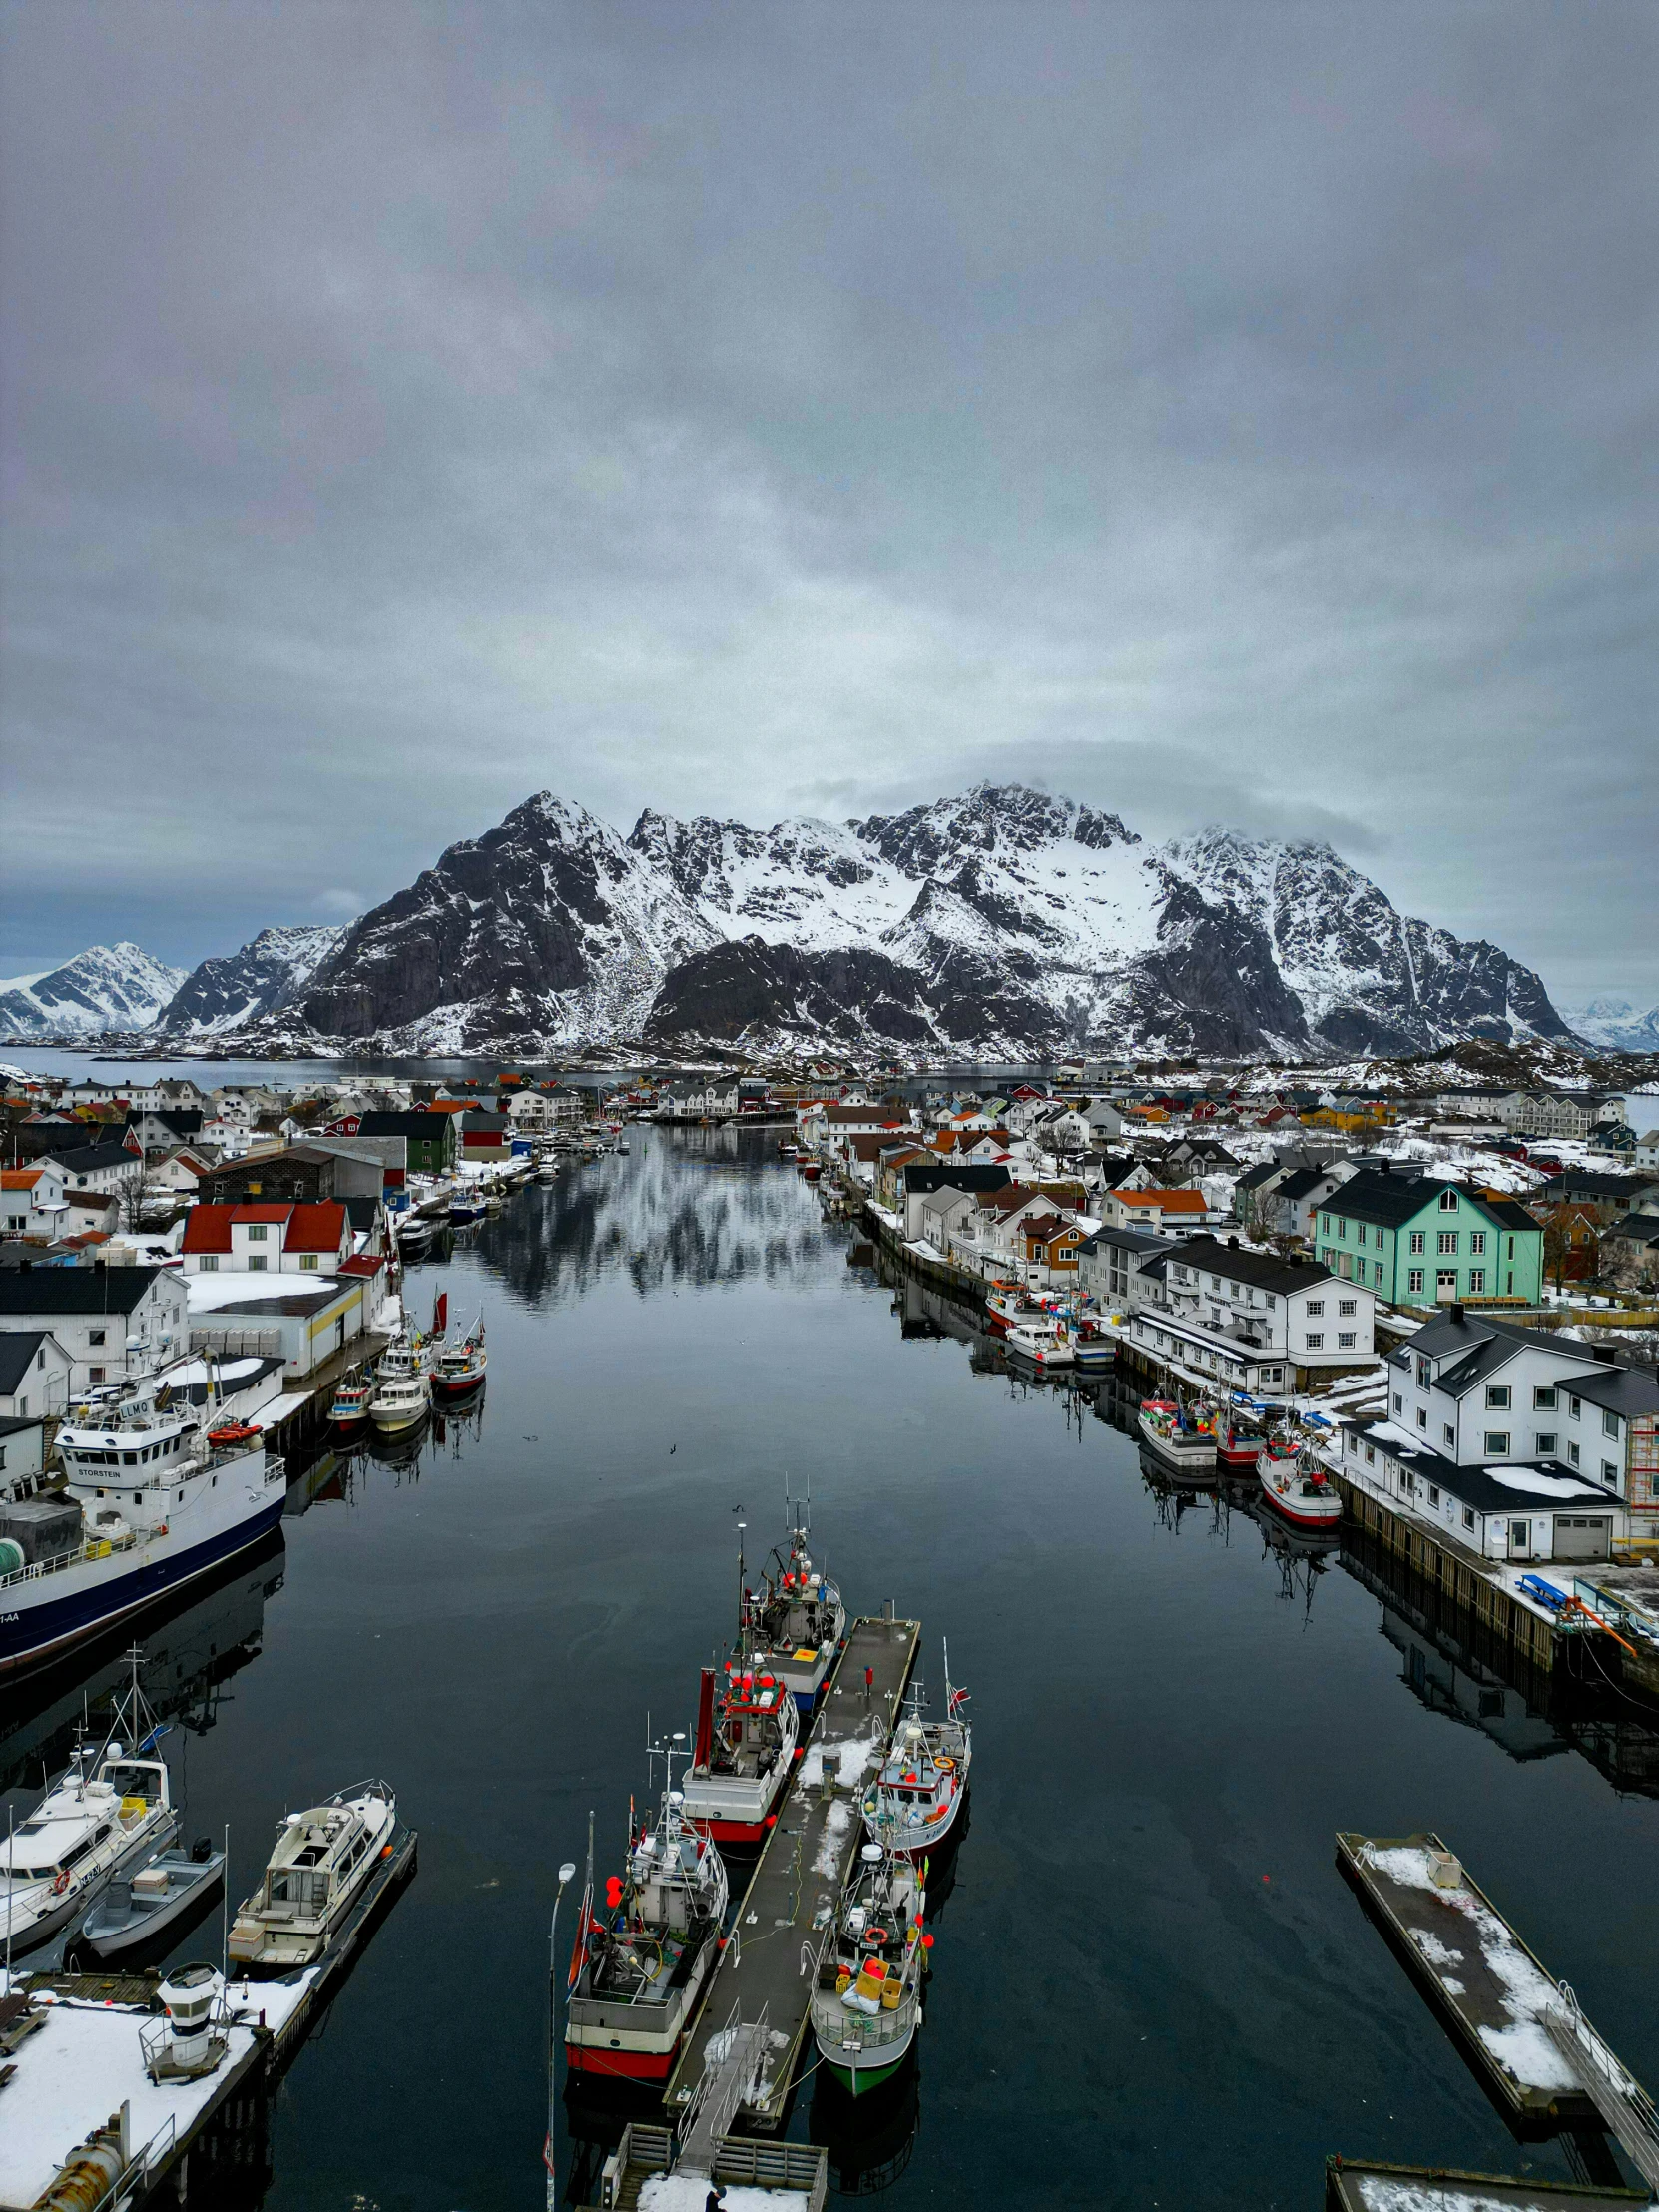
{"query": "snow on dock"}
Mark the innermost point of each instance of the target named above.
(764, 1973)
(1482, 1979)
(1364, 2186)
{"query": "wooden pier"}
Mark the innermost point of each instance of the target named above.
(764, 1973)
(1362, 2185)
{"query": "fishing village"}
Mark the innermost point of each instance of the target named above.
(1327, 1318)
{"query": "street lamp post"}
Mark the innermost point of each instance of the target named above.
(567, 1873)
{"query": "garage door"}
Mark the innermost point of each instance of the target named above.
(1579, 1538)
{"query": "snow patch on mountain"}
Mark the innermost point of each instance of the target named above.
(1614, 1024)
(265, 977)
(109, 986)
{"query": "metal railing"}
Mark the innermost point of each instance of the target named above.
(1616, 2094)
(733, 2075)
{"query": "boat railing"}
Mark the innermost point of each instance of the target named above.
(90, 1547)
(874, 2030)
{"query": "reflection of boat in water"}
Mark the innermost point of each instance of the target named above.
(870, 2138)
(323, 1863)
(1183, 1441)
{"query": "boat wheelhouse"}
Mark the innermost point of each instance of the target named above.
(110, 1808)
(795, 1622)
(641, 1959)
(349, 1411)
(152, 1498)
(915, 1801)
(747, 1728)
(321, 1865)
(867, 2005)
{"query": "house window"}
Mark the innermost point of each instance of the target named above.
(94, 1374)
(95, 1336)
(1418, 1240)
(1543, 1400)
(1341, 1228)
(1468, 1516)
(307, 1259)
(1315, 1306)
(1574, 1409)
(256, 1234)
(1446, 1242)
(1434, 1494)
(1610, 1474)
(1609, 1424)
(257, 1264)
(1478, 1240)
(1414, 1280)
(1345, 1307)
(1573, 1454)
(1497, 1397)
(1497, 1444)
(1449, 1202)
(1376, 1272)
(1422, 1419)
(1400, 1403)
(1543, 1443)
(1448, 1434)
(1345, 1339)
(208, 1264)
(1314, 1340)
(1325, 1225)
(1370, 1456)
(1478, 1281)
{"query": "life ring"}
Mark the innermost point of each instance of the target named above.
(945, 1763)
(61, 1884)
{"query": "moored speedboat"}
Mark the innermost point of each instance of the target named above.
(138, 1906)
(795, 1623)
(1042, 1343)
(402, 1388)
(866, 2006)
(320, 1867)
(1296, 1486)
(1183, 1441)
(640, 1960)
(110, 1809)
(913, 1802)
(747, 1728)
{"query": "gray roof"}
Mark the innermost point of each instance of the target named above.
(1265, 1269)
(92, 1289)
(1632, 1391)
(1478, 1343)
(91, 1159)
(1479, 1487)
(1129, 1240)
(16, 1354)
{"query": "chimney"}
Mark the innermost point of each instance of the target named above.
(1455, 1309)
(1606, 1354)
(1232, 1244)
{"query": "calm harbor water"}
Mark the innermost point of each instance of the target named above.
(1151, 1985)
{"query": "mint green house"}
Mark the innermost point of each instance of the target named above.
(1429, 1243)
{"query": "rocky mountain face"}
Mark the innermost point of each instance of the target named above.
(263, 978)
(1001, 922)
(109, 986)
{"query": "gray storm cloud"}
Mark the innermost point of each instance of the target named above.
(1238, 412)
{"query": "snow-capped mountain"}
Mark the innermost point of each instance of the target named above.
(263, 978)
(109, 986)
(1615, 1025)
(1004, 920)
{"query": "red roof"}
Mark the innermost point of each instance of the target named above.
(19, 1179)
(319, 1226)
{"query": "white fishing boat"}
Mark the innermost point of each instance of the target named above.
(1042, 1343)
(402, 1388)
(1296, 1486)
(1184, 1440)
(110, 1809)
(795, 1621)
(643, 1955)
(867, 2005)
(348, 1408)
(153, 1496)
(320, 1867)
(459, 1367)
(915, 1801)
(748, 1723)
(138, 1906)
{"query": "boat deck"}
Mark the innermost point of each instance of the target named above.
(801, 1872)
(1485, 1985)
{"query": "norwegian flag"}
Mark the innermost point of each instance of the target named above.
(958, 1698)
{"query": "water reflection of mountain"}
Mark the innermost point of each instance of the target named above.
(695, 1206)
(190, 1652)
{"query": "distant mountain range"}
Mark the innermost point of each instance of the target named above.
(1001, 923)
(1614, 1024)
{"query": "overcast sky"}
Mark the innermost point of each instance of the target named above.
(1241, 413)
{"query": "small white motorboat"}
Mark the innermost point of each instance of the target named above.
(1042, 1343)
(402, 1388)
(141, 1905)
(1298, 1488)
(320, 1867)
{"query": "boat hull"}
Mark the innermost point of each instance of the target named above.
(1324, 1515)
(917, 1844)
(859, 2080)
(1244, 1458)
(1195, 1457)
(78, 1899)
(449, 1392)
(34, 1630)
(115, 1941)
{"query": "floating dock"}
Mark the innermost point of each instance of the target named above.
(764, 1971)
(1361, 2185)
(802, 2168)
(74, 2082)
